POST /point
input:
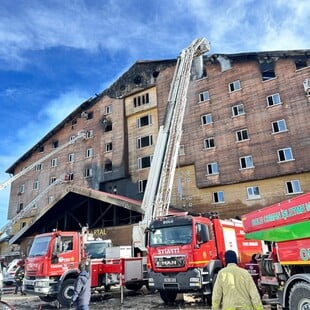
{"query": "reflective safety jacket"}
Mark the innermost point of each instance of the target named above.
(235, 289)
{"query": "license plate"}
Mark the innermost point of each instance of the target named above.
(170, 280)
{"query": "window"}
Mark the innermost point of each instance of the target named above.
(267, 71)
(69, 176)
(108, 109)
(209, 143)
(108, 147)
(238, 109)
(89, 134)
(204, 96)
(212, 168)
(52, 180)
(73, 122)
(107, 124)
(89, 153)
(246, 162)
(293, 187)
(206, 119)
(55, 144)
(144, 121)
(301, 63)
(38, 167)
(35, 185)
(285, 154)
(279, 126)
(234, 86)
(253, 192)
(108, 166)
(144, 162)
(242, 135)
(144, 141)
(141, 100)
(88, 172)
(21, 189)
(181, 150)
(141, 186)
(218, 197)
(20, 207)
(41, 149)
(90, 115)
(71, 138)
(273, 100)
(71, 157)
(54, 162)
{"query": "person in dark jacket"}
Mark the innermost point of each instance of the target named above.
(19, 276)
(82, 290)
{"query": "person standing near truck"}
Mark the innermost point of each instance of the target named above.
(234, 287)
(82, 288)
(19, 277)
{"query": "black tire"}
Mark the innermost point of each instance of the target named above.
(168, 297)
(300, 296)
(134, 286)
(66, 292)
(49, 298)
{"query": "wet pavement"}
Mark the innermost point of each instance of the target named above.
(141, 300)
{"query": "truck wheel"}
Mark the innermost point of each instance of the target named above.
(66, 292)
(49, 298)
(134, 286)
(168, 297)
(300, 296)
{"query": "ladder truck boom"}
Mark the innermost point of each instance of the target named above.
(80, 135)
(158, 190)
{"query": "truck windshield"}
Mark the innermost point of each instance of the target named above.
(171, 235)
(39, 246)
(97, 249)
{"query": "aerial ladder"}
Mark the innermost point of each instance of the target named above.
(159, 185)
(25, 211)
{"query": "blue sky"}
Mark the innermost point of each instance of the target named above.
(54, 54)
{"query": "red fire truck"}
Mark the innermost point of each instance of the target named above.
(186, 252)
(285, 269)
(52, 264)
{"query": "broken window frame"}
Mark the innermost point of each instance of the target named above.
(267, 70)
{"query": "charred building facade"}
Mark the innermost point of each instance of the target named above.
(245, 145)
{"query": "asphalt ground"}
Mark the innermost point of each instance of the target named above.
(141, 300)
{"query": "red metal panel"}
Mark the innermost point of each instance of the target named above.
(294, 252)
(284, 213)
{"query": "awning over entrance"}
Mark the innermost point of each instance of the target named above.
(111, 199)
